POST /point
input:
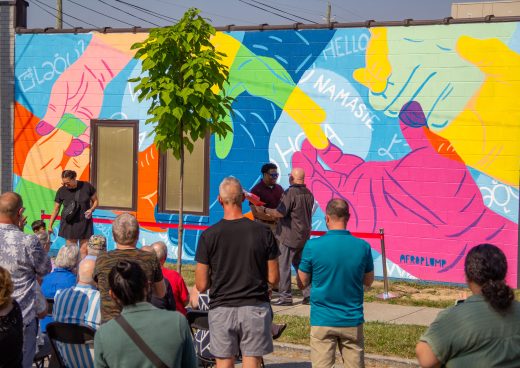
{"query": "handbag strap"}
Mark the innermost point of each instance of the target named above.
(76, 195)
(140, 342)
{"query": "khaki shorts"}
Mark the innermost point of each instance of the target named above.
(240, 329)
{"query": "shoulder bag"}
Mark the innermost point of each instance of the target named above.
(71, 210)
(140, 342)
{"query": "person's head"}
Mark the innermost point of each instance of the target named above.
(86, 272)
(6, 288)
(337, 214)
(97, 244)
(128, 283)
(43, 237)
(68, 257)
(231, 192)
(125, 230)
(269, 174)
(68, 179)
(11, 207)
(38, 225)
(486, 266)
(161, 251)
(297, 176)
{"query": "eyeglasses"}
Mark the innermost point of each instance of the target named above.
(274, 175)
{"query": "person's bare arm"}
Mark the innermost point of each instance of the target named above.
(159, 288)
(271, 213)
(54, 214)
(273, 273)
(260, 214)
(93, 205)
(368, 279)
(304, 279)
(202, 277)
(425, 356)
(194, 298)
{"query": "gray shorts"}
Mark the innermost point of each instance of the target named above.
(240, 329)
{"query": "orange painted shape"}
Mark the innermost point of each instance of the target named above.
(148, 179)
(25, 135)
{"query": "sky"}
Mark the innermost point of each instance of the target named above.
(152, 13)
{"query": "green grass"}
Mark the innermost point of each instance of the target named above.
(406, 298)
(380, 338)
(188, 272)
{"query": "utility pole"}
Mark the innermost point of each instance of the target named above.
(59, 15)
(328, 12)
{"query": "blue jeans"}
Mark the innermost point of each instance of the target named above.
(29, 343)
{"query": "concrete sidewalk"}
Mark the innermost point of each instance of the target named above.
(389, 313)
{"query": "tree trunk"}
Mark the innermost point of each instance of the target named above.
(180, 237)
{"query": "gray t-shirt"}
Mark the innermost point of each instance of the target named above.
(472, 334)
(294, 229)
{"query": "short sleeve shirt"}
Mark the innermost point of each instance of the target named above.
(269, 195)
(65, 196)
(237, 252)
(337, 263)
(472, 334)
(294, 229)
(104, 264)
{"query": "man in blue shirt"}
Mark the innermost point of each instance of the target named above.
(80, 305)
(337, 266)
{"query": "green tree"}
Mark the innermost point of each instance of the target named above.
(184, 79)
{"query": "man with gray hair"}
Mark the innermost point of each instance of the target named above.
(25, 259)
(125, 231)
(239, 256)
(337, 266)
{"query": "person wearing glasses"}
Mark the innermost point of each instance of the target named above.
(80, 227)
(269, 192)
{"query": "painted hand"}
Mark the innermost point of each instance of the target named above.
(427, 203)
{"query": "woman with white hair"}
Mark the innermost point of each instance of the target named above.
(64, 274)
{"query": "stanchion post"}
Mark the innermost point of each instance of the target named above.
(42, 213)
(386, 293)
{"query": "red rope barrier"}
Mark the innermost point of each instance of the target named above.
(164, 225)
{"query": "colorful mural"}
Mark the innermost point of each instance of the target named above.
(416, 127)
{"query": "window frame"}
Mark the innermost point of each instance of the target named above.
(161, 191)
(94, 125)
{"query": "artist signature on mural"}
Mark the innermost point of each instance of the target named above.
(422, 260)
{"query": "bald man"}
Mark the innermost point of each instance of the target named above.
(25, 259)
(293, 230)
(239, 256)
(179, 289)
(79, 305)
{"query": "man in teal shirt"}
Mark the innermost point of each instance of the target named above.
(337, 266)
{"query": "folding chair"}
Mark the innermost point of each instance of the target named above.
(69, 333)
(198, 321)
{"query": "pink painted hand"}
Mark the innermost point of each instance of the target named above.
(77, 96)
(429, 205)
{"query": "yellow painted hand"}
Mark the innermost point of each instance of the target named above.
(486, 133)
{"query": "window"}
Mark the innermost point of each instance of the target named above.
(114, 163)
(195, 180)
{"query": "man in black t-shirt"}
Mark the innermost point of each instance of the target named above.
(241, 257)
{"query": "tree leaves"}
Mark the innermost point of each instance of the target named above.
(183, 78)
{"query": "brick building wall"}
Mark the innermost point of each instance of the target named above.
(416, 127)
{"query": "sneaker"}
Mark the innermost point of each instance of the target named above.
(306, 300)
(282, 303)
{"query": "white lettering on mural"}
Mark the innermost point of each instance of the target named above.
(296, 142)
(354, 104)
(34, 75)
(342, 46)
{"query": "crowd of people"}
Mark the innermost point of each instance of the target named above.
(137, 307)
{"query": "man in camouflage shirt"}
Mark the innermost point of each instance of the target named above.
(24, 257)
(125, 230)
